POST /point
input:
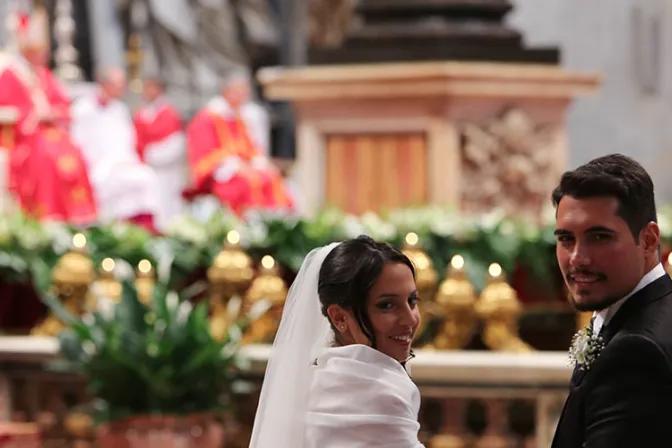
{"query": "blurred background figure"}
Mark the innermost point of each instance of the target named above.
(228, 151)
(125, 188)
(161, 145)
(192, 43)
(46, 172)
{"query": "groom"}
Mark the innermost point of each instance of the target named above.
(608, 251)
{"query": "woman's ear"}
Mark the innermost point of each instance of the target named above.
(338, 317)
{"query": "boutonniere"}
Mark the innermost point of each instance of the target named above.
(586, 347)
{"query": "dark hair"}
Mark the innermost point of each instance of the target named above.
(617, 176)
(349, 272)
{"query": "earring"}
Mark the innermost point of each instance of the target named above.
(342, 327)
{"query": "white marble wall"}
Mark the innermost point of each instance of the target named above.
(632, 114)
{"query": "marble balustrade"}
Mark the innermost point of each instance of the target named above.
(496, 388)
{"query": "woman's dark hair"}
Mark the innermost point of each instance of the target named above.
(349, 272)
(617, 176)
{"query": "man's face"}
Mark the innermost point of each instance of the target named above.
(237, 93)
(115, 84)
(599, 258)
(36, 55)
(151, 90)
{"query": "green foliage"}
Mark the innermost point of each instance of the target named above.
(29, 249)
(120, 240)
(26, 250)
(157, 359)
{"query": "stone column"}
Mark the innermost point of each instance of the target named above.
(7, 23)
(294, 26)
(293, 15)
(106, 34)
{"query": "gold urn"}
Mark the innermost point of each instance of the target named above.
(145, 280)
(499, 308)
(71, 278)
(426, 278)
(229, 276)
(456, 299)
(106, 285)
(269, 291)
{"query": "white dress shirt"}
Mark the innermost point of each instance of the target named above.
(604, 316)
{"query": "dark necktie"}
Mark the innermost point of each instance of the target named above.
(592, 323)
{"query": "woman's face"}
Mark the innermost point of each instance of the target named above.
(392, 308)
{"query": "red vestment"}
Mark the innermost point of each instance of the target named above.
(47, 174)
(155, 126)
(160, 143)
(212, 140)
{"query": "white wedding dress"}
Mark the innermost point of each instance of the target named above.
(315, 395)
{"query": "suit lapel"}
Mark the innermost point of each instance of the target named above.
(650, 293)
(655, 290)
(569, 431)
(577, 376)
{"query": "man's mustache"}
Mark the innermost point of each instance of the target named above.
(583, 272)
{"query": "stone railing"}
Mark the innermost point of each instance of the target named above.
(470, 399)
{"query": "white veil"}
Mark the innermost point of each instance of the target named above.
(303, 334)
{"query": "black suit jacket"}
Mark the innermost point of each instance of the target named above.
(624, 400)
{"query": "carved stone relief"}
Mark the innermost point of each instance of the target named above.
(329, 21)
(509, 163)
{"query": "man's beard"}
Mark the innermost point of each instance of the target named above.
(593, 305)
(598, 305)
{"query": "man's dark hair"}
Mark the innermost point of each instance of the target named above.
(616, 176)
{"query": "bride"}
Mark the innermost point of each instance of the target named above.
(336, 376)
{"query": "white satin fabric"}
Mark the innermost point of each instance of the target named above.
(361, 398)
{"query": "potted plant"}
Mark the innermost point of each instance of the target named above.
(158, 376)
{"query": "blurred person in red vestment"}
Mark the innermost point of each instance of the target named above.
(228, 151)
(161, 143)
(47, 174)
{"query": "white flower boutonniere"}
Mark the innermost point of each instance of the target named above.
(586, 347)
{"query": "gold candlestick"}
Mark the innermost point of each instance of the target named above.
(426, 278)
(134, 57)
(500, 308)
(229, 276)
(456, 299)
(107, 285)
(145, 281)
(71, 278)
(269, 287)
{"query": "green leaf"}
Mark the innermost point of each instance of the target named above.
(130, 312)
(41, 275)
(71, 346)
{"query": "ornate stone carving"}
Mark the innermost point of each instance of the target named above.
(509, 163)
(420, 30)
(329, 21)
